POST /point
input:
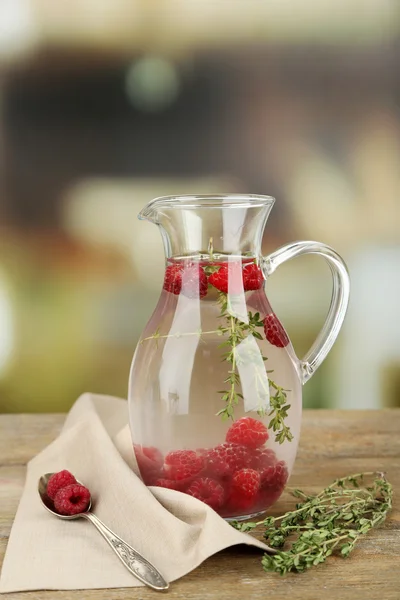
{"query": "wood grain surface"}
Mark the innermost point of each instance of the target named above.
(333, 444)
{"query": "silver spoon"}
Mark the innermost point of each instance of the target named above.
(133, 561)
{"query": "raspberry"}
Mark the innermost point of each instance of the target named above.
(245, 486)
(150, 461)
(266, 498)
(190, 280)
(173, 279)
(182, 464)
(194, 282)
(273, 481)
(229, 278)
(208, 491)
(58, 481)
(235, 456)
(170, 484)
(263, 458)
(248, 432)
(72, 500)
(274, 331)
(218, 467)
(252, 277)
(274, 478)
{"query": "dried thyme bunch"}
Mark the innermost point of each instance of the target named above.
(332, 521)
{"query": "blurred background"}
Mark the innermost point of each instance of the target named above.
(105, 104)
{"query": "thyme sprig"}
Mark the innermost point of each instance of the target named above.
(332, 521)
(279, 412)
(235, 332)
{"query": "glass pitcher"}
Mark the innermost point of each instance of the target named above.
(215, 385)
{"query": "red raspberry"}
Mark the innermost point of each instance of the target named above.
(190, 280)
(201, 451)
(235, 456)
(263, 458)
(150, 461)
(194, 282)
(248, 432)
(58, 481)
(72, 500)
(266, 498)
(253, 277)
(170, 484)
(244, 489)
(218, 467)
(182, 464)
(274, 331)
(229, 278)
(208, 491)
(274, 478)
(173, 279)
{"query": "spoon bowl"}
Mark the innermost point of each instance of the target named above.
(49, 504)
(141, 568)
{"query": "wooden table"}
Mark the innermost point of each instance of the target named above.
(333, 444)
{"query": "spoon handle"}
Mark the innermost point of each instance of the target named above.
(133, 561)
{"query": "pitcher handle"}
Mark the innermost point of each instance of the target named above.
(339, 302)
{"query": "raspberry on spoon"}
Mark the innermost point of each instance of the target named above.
(72, 500)
(58, 481)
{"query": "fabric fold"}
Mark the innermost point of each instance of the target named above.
(173, 530)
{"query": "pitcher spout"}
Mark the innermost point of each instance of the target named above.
(235, 222)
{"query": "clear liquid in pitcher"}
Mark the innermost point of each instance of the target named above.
(211, 364)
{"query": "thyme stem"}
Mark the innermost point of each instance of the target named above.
(233, 371)
(324, 523)
(199, 333)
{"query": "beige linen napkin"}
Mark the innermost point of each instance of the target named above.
(173, 530)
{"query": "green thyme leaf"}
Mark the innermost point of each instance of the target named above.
(331, 522)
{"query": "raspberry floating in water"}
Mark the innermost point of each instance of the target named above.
(244, 490)
(274, 477)
(208, 491)
(253, 278)
(263, 458)
(190, 280)
(150, 461)
(274, 331)
(72, 499)
(230, 478)
(228, 278)
(217, 466)
(173, 279)
(194, 282)
(247, 432)
(182, 464)
(170, 484)
(58, 481)
(233, 455)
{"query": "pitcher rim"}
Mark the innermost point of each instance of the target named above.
(206, 201)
